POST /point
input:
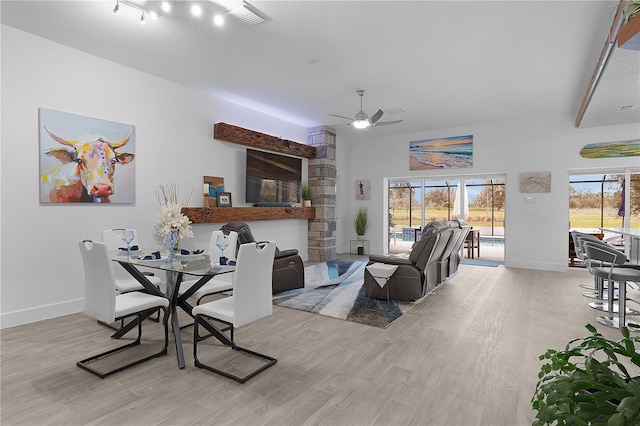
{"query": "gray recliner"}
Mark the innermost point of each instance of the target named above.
(288, 268)
(432, 261)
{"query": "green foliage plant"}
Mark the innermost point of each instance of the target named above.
(306, 191)
(361, 220)
(631, 9)
(588, 383)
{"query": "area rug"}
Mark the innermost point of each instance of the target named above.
(475, 262)
(336, 289)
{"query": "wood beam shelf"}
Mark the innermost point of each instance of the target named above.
(247, 214)
(234, 134)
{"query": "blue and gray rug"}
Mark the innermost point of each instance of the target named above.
(335, 289)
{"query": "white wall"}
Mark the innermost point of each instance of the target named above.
(551, 144)
(41, 270)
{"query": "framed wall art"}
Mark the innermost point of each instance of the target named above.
(85, 160)
(535, 182)
(363, 189)
(224, 199)
(442, 153)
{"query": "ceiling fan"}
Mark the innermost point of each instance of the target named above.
(363, 121)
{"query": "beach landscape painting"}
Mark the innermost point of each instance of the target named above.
(441, 153)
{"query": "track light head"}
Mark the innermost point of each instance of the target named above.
(142, 21)
(117, 8)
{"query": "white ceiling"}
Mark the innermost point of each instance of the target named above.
(445, 63)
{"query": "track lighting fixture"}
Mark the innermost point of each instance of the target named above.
(244, 14)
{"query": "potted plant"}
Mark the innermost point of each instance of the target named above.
(306, 194)
(588, 382)
(631, 9)
(361, 222)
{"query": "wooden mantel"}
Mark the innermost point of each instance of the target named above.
(229, 133)
(247, 214)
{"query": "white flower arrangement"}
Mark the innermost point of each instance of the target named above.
(171, 217)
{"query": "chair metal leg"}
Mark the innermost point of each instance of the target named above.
(228, 342)
(86, 363)
(621, 319)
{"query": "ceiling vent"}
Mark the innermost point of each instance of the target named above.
(248, 15)
(626, 108)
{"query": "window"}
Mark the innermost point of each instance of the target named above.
(598, 201)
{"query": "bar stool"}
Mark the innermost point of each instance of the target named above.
(598, 290)
(606, 263)
(580, 255)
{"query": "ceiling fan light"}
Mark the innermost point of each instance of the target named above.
(361, 124)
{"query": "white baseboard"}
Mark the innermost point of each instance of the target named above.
(553, 267)
(11, 319)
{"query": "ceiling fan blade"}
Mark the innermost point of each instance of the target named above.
(386, 123)
(375, 117)
(341, 116)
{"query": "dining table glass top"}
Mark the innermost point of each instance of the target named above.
(198, 265)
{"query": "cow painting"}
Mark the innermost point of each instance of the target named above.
(87, 168)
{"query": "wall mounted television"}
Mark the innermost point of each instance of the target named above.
(273, 178)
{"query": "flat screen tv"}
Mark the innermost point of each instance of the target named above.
(272, 178)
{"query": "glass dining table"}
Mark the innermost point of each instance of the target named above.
(199, 266)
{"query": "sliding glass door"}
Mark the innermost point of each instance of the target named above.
(479, 201)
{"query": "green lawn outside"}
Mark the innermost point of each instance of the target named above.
(579, 218)
(590, 218)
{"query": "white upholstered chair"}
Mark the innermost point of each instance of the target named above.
(222, 282)
(124, 281)
(104, 303)
(251, 301)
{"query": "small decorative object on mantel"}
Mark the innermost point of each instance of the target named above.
(306, 194)
(171, 223)
(360, 222)
(212, 187)
(224, 199)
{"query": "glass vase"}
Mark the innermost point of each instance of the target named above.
(171, 241)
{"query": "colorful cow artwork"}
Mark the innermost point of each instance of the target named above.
(87, 169)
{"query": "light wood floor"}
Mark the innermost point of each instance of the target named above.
(465, 355)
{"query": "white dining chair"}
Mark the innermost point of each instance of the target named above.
(222, 282)
(104, 303)
(124, 282)
(251, 300)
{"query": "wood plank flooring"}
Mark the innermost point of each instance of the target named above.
(465, 355)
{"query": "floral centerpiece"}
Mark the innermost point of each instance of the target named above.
(171, 223)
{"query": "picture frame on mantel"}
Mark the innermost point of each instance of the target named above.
(224, 199)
